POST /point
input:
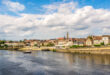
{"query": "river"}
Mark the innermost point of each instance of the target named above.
(53, 63)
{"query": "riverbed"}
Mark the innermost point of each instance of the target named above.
(53, 63)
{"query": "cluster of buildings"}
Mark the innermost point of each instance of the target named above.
(64, 41)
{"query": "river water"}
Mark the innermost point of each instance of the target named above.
(53, 63)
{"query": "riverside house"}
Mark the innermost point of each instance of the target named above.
(93, 40)
(32, 43)
(89, 41)
(79, 41)
(97, 40)
(47, 42)
(15, 43)
(64, 43)
(106, 39)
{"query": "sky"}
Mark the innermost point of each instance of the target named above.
(49, 19)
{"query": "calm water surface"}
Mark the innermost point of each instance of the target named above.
(52, 63)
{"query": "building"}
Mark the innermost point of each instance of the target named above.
(15, 43)
(106, 39)
(31, 43)
(97, 40)
(89, 41)
(64, 42)
(79, 41)
(93, 40)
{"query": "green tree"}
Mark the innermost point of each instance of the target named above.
(35, 45)
(2, 42)
(50, 44)
(102, 43)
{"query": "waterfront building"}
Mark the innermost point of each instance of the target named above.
(93, 40)
(15, 43)
(79, 41)
(64, 42)
(97, 40)
(89, 41)
(106, 39)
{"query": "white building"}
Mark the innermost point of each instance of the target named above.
(106, 39)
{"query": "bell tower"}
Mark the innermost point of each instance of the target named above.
(67, 36)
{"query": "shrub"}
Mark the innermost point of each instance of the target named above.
(97, 45)
(50, 44)
(54, 50)
(102, 43)
(76, 46)
(35, 45)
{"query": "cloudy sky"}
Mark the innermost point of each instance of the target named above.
(45, 19)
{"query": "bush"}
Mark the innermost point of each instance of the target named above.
(50, 44)
(35, 45)
(102, 43)
(76, 46)
(97, 45)
(54, 50)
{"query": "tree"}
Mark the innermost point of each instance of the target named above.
(35, 45)
(2, 42)
(10, 41)
(50, 44)
(102, 43)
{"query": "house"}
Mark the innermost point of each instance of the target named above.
(31, 43)
(15, 43)
(89, 41)
(93, 40)
(64, 43)
(106, 39)
(97, 40)
(50, 42)
(79, 41)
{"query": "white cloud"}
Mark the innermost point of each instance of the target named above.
(14, 6)
(78, 21)
(61, 7)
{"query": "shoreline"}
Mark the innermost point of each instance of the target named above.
(94, 50)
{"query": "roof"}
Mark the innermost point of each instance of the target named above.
(61, 38)
(97, 37)
(105, 35)
(79, 39)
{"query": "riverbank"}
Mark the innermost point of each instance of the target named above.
(9, 48)
(91, 50)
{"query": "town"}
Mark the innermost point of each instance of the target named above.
(59, 43)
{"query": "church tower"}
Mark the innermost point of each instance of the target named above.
(67, 36)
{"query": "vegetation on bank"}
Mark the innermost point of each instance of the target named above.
(3, 45)
(77, 46)
(96, 45)
(54, 50)
(50, 44)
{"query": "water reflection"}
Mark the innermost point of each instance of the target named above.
(53, 63)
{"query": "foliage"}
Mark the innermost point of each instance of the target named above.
(42, 44)
(35, 45)
(10, 41)
(76, 46)
(54, 50)
(98, 45)
(90, 37)
(50, 44)
(5, 45)
(2, 42)
(21, 41)
(102, 43)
